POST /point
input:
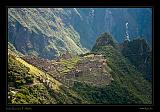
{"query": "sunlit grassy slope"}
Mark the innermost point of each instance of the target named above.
(24, 88)
(37, 72)
(68, 64)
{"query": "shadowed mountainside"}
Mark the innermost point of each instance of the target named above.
(48, 32)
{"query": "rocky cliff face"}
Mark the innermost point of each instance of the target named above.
(41, 32)
(91, 22)
(47, 32)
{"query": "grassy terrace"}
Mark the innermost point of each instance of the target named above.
(68, 65)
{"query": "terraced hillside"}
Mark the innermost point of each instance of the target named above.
(53, 83)
(103, 76)
(91, 69)
(29, 85)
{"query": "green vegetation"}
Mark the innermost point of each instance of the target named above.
(111, 94)
(125, 76)
(138, 49)
(68, 64)
(18, 73)
(127, 87)
(105, 39)
(25, 89)
(12, 49)
(37, 94)
(42, 34)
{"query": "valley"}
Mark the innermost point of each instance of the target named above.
(76, 77)
(80, 56)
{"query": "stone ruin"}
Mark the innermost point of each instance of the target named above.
(65, 56)
(86, 64)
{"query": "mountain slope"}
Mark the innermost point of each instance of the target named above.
(103, 76)
(37, 86)
(124, 74)
(29, 85)
(41, 32)
(48, 32)
(139, 54)
(91, 22)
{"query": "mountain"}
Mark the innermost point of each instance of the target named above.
(30, 82)
(29, 85)
(139, 54)
(102, 76)
(48, 32)
(41, 32)
(124, 72)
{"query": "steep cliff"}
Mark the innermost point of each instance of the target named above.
(41, 32)
(48, 32)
